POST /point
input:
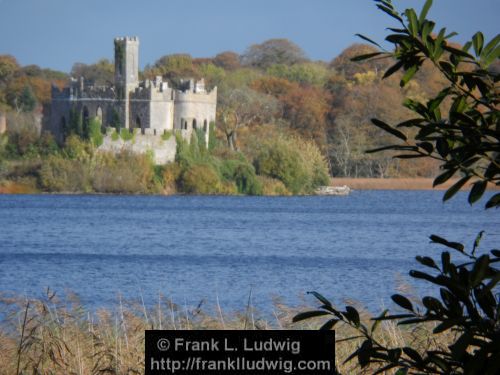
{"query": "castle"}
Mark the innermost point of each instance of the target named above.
(149, 109)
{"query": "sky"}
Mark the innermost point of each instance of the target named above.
(57, 33)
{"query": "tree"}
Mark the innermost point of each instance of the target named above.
(344, 65)
(8, 66)
(271, 52)
(227, 60)
(175, 67)
(100, 74)
(464, 141)
(243, 107)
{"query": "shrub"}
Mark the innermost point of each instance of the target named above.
(242, 173)
(171, 174)
(126, 134)
(58, 174)
(271, 186)
(115, 136)
(166, 135)
(201, 179)
(76, 148)
(95, 133)
(124, 173)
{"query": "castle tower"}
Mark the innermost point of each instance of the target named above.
(126, 72)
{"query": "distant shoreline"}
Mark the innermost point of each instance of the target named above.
(353, 183)
(397, 184)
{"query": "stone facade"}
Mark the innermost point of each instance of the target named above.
(150, 108)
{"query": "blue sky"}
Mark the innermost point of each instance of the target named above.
(57, 33)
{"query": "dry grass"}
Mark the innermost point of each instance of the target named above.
(11, 187)
(397, 184)
(52, 336)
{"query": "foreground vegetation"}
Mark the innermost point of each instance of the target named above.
(464, 137)
(51, 335)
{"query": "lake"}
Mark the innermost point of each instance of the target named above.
(193, 248)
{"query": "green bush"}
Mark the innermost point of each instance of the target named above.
(297, 163)
(126, 134)
(115, 136)
(58, 174)
(271, 186)
(201, 179)
(242, 173)
(166, 135)
(95, 133)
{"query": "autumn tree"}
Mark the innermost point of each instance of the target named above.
(100, 74)
(271, 52)
(243, 107)
(174, 68)
(344, 65)
(227, 60)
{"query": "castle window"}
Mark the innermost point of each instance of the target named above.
(194, 124)
(85, 117)
(205, 126)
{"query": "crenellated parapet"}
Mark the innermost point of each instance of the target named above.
(150, 108)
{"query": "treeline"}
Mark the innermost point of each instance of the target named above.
(282, 120)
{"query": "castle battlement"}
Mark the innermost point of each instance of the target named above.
(150, 107)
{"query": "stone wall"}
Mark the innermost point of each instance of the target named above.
(163, 150)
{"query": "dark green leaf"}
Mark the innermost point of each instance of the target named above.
(364, 353)
(444, 326)
(308, 315)
(477, 191)
(455, 188)
(494, 201)
(321, 298)
(352, 315)
(366, 56)
(477, 241)
(402, 301)
(479, 270)
(442, 241)
(491, 45)
(390, 12)
(432, 304)
(413, 354)
(445, 261)
(442, 178)
(422, 275)
(427, 146)
(425, 10)
(329, 325)
(477, 41)
(413, 26)
(378, 320)
(457, 52)
(393, 69)
(428, 262)
(368, 40)
(460, 346)
(410, 72)
(382, 125)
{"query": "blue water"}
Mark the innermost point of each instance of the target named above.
(189, 249)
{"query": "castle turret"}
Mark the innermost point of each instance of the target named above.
(126, 71)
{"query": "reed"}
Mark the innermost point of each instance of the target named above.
(53, 335)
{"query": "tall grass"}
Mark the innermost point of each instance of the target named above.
(60, 336)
